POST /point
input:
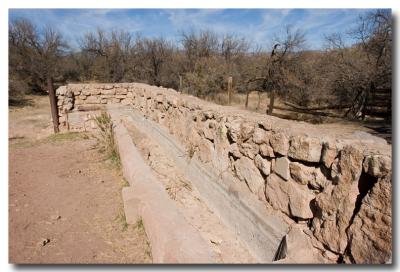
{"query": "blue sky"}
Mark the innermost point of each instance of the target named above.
(259, 26)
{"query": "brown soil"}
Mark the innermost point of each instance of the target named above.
(65, 202)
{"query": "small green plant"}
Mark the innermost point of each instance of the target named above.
(139, 225)
(124, 182)
(107, 139)
(190, 151)
(122, 219)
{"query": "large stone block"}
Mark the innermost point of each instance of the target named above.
(336, 204)
(282, 167)
(249, 149)
(267, 151)
(308, 175)
(370, 235)
(305, 148)
(377, 165)
(93, 100)
(110, 91)
(248, 172)
(280, 143)
(260, 136)
(289, 197)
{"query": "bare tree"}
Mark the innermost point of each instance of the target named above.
(363, 72)
(41, 52)
(277, 66)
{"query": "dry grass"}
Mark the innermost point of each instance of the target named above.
(106, 138)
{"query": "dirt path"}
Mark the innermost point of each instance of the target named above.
(65, 202)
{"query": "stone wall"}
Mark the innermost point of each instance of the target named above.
(337, 182)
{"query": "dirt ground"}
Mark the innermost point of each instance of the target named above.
(65, 202)
(375, 126)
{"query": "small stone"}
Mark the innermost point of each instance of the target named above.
(44, 241)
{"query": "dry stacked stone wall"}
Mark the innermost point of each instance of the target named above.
(338, 184)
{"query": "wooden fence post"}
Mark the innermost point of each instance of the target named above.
(180, 83)
(53, 104)
(229, 90)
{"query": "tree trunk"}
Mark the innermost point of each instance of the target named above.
(259, 100)
(366, 100)
(180, 83)
(246, 104)
(53, 103)
(229, 90)
(271, 102)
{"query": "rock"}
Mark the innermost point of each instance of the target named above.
(121, 91)
(305, 148)
(234, 129)
(289, 197)
(126, 101)
(319, 182)
(300, 249)
(95, 91)
(329, 153)
(263, 165)
(282, 167)
(246, 131)
(299, 201)
(69, 106)
(44, 241)
(103, 101)
(267, 151)
(248, 172)
(370, 235)
(260, 136)
(276, 193)
(248, 149)
(205, 149)
(307, 175)
(61, 90)
(301, 173)
(106, 91)
(93, 100)
(234, 150)
(279, 143)
(265, 124)
(377, 165)
(335, 205)
(208, 114)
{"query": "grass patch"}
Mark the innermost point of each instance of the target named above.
(121, 219)
(139, 225)
(68, 136)
(124, 182)
(106, 138)
(54, 138)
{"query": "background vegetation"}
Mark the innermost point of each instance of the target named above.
(355, 79)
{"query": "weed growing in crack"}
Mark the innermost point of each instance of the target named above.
(106, 138)
(190, 151)
(121, 218)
